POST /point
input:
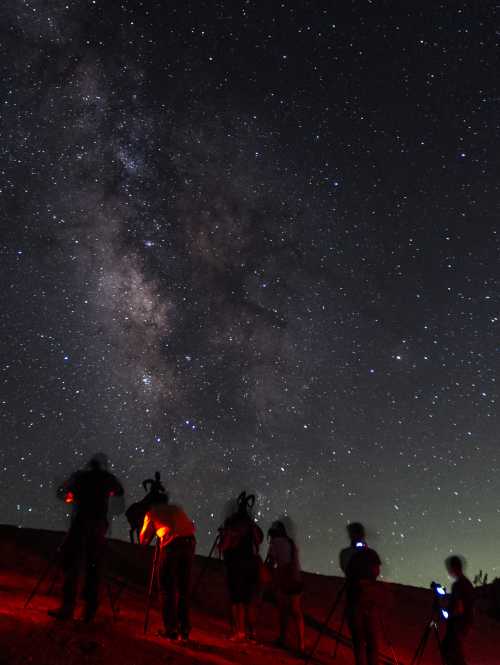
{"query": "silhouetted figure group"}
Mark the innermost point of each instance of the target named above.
(239, 541)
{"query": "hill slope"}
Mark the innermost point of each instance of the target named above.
(30, 636)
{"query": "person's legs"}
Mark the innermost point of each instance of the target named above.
(284, 613)
(372, 637)
(168, 590)
(355, 620)
(250, 619)
(452, 647)
(298, 619)
(238, 617)
(71, 558)
(251, 593)
(94, 542)
(184, 586)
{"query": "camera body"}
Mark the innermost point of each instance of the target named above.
(439, 592)
(438, 589)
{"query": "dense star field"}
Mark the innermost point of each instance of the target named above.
(253, 245)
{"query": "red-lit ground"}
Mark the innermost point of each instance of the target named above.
(30, 636)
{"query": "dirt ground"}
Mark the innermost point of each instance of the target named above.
(29, 635)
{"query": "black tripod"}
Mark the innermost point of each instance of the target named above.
(201, 575)
(330, 614)
(54, 564)
(152, 577)
(431, 627)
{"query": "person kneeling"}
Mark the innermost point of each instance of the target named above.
(175, 531)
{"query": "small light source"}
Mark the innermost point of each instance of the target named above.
(69, 498)
(445, 614)
(360, 543)
(440, 590)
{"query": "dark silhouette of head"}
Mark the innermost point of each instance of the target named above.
(159, 498)
(455, 566)
(356, 532)
(99, 462)
(277, 530)
(245, 503)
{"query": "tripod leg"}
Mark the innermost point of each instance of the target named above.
(419, 652)
(325, 624)
(339, 634)
(121, 588)
(111, 600)
(156, 559)
(39, 583)
(205, 568)
(439, 644)
(389, 642)
(53, 581)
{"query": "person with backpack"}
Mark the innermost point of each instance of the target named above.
(240, 539)
(283, 561)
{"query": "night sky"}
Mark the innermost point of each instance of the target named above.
(252, 245)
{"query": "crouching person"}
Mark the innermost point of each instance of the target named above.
(283, 560)
(175, 531)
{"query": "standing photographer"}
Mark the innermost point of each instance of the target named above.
(361, 566)
(460, 613)
(88, 491)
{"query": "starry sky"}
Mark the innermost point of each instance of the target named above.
(253, 245)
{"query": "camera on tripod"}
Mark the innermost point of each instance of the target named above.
(439, 594)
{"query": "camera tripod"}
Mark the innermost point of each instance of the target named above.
(153, 575)
(431, 627)
(324, 626)
(386, 659)
(54, 564)
(202, 572)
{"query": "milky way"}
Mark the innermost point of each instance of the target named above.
(256, 248)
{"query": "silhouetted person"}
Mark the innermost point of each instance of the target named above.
(136, 512)
(88, 491)
(240, 540)
(460, 613)
(175, 532)
(283, 560)
(361, 566)
(154, 486)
